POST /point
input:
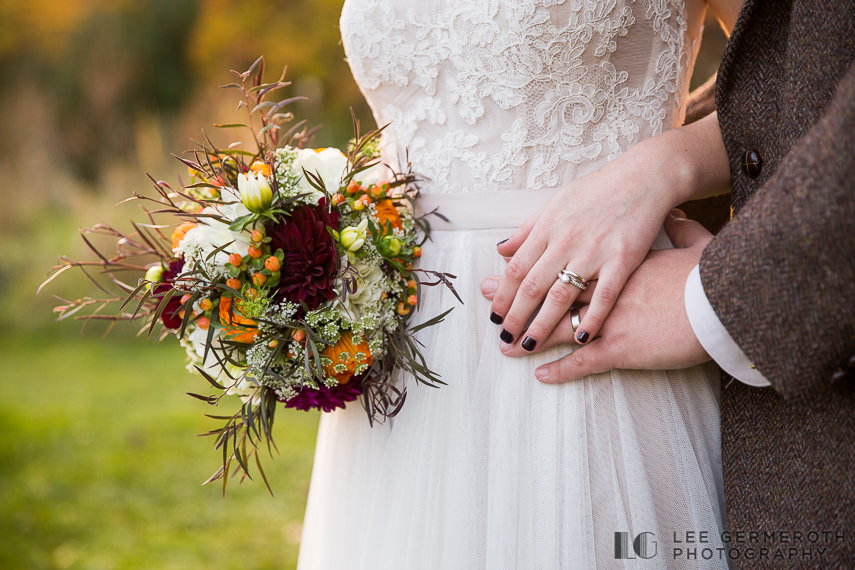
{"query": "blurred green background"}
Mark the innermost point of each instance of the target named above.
(100, 463)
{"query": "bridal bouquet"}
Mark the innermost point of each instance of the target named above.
(285, 272)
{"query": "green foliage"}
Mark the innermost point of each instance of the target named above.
(102, 468)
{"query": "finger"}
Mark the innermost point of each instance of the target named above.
(609, 286)
(509, 247)
(530, 294)
(585, 296)
(558, 300)
(685, 233)
(512, 277)
(489, 286)
(592, 358)
(562, 334)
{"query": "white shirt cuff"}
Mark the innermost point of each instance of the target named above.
(714, 337)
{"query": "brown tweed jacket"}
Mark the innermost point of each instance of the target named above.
(781, 277)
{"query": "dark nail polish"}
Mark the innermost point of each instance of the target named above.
(501, 242)
(583, 337)
(496, 318)
(529, 343)
(506, 336)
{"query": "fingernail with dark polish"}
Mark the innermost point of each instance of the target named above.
(529, 343)
(506, 336)
(582, 337)
(496, 318)
(501, 242)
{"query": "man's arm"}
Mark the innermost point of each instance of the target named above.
(781, 275)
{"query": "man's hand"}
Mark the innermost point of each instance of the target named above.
(648, 328)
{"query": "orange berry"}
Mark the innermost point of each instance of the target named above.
(259, 279)
(181, 315)
(402, 308)
(412, 284)
(203, 323)
(272, 263)
(365, 198)
(234, 284)
(376, 191)
(299, 335)
(257, 236)
(273, 344)
(409, 266)
(359, 205)
(412, 300)
(185, 298)
(206, 305)
(352, 187)
(337, 199)
(235, 259)
(251, 293)
(254, 252)
(417, 251)
(384, 295)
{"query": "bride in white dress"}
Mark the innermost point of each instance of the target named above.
(500, 103)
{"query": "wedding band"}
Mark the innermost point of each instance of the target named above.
(575, 319)
(567, 276)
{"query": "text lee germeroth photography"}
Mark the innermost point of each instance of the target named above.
(784, 546)
(404, 285)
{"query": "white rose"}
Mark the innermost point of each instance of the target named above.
(367, 290)
(329, 164)
(240, 384)
(211, 234)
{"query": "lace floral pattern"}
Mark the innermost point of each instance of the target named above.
(485, 95)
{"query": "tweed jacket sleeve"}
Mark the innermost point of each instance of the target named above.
(781, 275)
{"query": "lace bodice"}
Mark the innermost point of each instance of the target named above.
(488, 95)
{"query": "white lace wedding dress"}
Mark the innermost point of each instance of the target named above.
(499, 102)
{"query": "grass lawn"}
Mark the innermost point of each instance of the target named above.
(100, 466)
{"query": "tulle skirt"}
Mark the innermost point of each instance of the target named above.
(497, 471)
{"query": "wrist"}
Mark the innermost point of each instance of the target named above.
(668, 175)
(687, 163)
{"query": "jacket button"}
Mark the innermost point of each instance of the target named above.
(752, 163)
(840, 375)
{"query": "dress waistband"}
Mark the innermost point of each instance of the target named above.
(493, 210)
(482, 210)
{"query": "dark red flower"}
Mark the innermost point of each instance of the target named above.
(310, 255)
(323, 398)
(169, 316)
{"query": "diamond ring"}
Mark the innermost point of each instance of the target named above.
(567, 276)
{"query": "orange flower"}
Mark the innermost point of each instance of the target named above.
(238, 320)
(261, 167)
(344, 352)
(179, 232)
(386, 211)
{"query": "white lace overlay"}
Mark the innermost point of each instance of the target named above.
(488, 95)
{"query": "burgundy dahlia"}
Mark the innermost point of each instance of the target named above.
(169, 316)
(326, 399)
(310, 255)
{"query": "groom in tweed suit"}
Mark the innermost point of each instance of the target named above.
(781, 275)
(779, 280)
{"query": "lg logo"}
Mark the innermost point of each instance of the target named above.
(643, 546)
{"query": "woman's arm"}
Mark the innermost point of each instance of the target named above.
(601, 226)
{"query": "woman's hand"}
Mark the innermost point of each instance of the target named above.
(601, 227)
(648, 329)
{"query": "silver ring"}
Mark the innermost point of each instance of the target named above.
(567, 276)
(575, 319)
